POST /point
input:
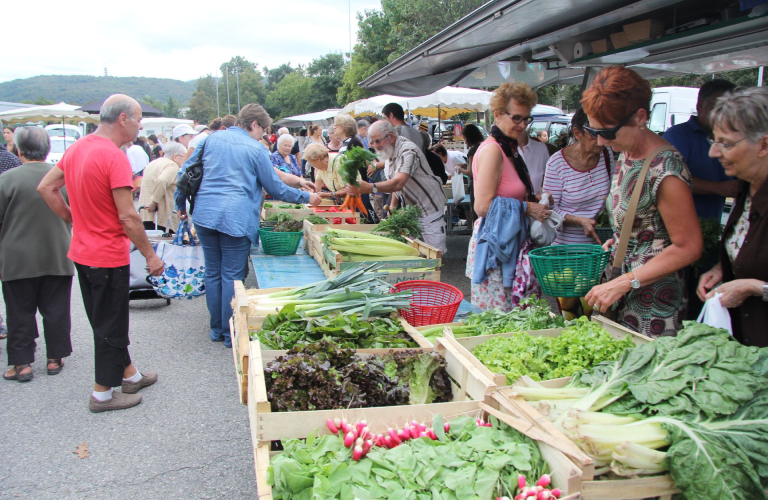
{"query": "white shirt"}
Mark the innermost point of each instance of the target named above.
(138, 158)
(454, 160)
(199, 137)
(536, 156)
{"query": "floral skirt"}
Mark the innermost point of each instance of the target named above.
(492, 294)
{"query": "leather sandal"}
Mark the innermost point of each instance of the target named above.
(59, 365)
(26, 377)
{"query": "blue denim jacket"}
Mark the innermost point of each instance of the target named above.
(499, 238)
(235, 169)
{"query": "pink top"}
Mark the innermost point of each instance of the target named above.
(510, 185)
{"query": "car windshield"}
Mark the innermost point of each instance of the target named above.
(57, 144)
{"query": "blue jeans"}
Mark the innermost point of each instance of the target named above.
(226, 260)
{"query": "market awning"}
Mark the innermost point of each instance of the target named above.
(307, 119)
(541, 42)
(54, 112)
(449, 100)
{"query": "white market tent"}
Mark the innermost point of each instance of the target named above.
(307, 119)
(443, 104)
(161, 125)
(55, 112)
(540, 42)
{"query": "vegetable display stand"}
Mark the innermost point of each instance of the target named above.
(432, 303)
(279, 243)
(311, 230)
(417, 330)
(467, 344)
(335, 214)
(297, 213)
(393, 271)
(569, 270)
(638, 488)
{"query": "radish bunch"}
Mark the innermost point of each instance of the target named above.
(537, 492)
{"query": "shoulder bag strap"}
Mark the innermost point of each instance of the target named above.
(629, 218)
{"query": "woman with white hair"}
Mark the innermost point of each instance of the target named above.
(740, 127)
(282, 159)
(158, 186)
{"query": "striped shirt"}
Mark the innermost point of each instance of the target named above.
(423, 188)
(581, 194)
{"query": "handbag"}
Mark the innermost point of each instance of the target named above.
(544, 233)
(626, 229)
(184, 274)
(189, 184)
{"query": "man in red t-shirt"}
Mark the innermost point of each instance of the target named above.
(97, 175)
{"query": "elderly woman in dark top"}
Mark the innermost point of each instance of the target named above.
(740, 122)
(282, 159)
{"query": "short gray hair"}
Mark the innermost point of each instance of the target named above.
(362, 124)
(284, 137)
(382, 128)
(283, 131)
(32, 143)
(110, 113)
(744, 111)
(174, 148)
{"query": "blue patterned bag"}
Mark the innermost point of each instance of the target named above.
(184, 275)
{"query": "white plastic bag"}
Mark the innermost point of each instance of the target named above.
(544, 233)
(715, 314)
(457, 184)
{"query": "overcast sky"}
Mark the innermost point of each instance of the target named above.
(172, 39)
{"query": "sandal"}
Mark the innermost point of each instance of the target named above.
(26, 377)
(59, 365)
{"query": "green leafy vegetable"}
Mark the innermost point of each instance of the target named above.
(533, 314)
(402, 222)
(351, 162)
(316, 219)
(711, 231)
(280, 217)
(268, 205)
(289, 329)
(288, 226)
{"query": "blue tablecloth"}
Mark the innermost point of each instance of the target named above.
(290, 270)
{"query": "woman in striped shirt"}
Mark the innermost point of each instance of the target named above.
(578, 178)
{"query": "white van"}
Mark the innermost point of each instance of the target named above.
(671, 106)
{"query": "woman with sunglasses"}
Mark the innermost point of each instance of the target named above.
(740, 122)
(503, 198)
(666, 237)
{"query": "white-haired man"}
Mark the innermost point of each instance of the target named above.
(409, 174)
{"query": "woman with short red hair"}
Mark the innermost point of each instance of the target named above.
(666, 237)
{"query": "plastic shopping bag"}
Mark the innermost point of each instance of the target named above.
(184, 275)
(544, 233)
(715, 314)
(457, 184)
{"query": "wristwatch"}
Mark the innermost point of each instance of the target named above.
(765, 291)
(374, 188)
(634, 282)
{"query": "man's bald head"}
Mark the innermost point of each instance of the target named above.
(115, 105)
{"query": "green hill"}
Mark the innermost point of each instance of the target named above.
(82, 89)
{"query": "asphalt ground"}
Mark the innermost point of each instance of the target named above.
(188, 439)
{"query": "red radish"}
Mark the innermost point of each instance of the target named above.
(337, 422)
(521, 481)
(343, 424)
(447, 427)
(349, 439)
(544, 480)
(422, 428)
(432, 435)
(414, 431)
(393, 434)
(360, 426)
(365, 433)
(423, 434)
(367, 446)
(414, 423)
(403, 435)
(556, 493)
(357, 453)
(543, 495)
(520, 497)
(332, 427)
(388, 442)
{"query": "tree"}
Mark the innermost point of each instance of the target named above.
(155, 103)
(567, 97)
(171, 108)
(242, 72)
(327, 73)
(276, 75)
(355, 71)
(742, 78)
(40, 101)
(292, 96)
(202, 107)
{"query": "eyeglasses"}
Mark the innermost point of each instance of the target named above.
(519, 119)
(725, 146)
(608, 134)
(376, 142)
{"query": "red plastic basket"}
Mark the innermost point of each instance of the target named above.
(432, 303)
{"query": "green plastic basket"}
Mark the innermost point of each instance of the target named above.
(604, 233)
(569, 270)
(277, 243)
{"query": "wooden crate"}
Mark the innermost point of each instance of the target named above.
(619, 40)
(602, 45)
(644, 30)
(641, 488)
(310, 228)
(565, 474)
(416, 330)
(297, 213)
(467, 344)
(433, 258)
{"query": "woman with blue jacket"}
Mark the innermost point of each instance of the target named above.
(235, 170)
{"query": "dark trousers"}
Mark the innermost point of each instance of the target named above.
(105, 297)
(23, 298)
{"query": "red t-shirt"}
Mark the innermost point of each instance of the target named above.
(93, 166)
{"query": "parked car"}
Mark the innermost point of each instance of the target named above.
(59, 130)
(554, 125)
(58, 146)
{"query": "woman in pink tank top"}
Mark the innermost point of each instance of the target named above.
(499, 170)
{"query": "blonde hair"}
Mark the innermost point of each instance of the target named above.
(315, 152)
(521, 92)
(347, 123)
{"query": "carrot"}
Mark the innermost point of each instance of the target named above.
(359, 203)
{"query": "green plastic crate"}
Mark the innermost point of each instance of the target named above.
(569, 270)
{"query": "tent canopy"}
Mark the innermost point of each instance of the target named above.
(54, 112)
(450, 100)
(307, 119)
(146, 109)
(540, 42)
(161, 125)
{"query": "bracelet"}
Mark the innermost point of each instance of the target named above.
(527, 209)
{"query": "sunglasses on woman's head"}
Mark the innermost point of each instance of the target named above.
(608, 134)
(518, 119)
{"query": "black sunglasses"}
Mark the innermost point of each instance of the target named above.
(608, 134)
(518, 119)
